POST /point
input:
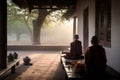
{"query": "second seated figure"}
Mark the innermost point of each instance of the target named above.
(75, 49)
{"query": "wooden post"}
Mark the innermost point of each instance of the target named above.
(74, 26)
(3, 34)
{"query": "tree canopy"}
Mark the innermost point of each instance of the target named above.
(24, 20)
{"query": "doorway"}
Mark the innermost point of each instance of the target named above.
(85, 28)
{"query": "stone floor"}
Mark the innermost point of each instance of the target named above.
(46, 66)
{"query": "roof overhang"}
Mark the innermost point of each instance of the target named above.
(46, 4)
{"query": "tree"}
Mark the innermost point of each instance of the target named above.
(17, 17)
(17, 28)
(43, 13)
(38, 18)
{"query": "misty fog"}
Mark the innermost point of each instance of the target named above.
(57, 33)
(54, 30)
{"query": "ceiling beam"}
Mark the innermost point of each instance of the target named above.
(46, 4)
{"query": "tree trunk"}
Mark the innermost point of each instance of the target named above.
(36, 32)
(28, 27)
(37, 24)
(17, 36)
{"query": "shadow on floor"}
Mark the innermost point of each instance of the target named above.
(45, 67)
(19, 70)
(59, 73)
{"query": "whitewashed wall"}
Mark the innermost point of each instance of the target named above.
(79, 13)
(81, 5)
(113, 53)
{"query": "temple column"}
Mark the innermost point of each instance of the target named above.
(74, 25)
(3, 34)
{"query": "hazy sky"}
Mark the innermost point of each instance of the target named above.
(58, 33)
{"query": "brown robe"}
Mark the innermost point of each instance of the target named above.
(95, 60)
(76, 49)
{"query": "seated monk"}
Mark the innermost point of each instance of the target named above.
(76, 48)
(95, 60)
(10, 57)
(27, 61)
(15, 55)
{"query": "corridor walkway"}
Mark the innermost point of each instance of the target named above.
(46, 66)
